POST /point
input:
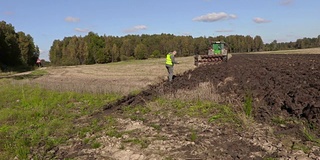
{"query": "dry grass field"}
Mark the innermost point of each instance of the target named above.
(122, 77)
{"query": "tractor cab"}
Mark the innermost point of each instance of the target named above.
(217, 53)
(219, 48)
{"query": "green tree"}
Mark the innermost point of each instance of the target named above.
(249, 43)
(258, 44)
(140, 52)
(188, 47)
(55, 53)
(105, 49)
(126, 49)
(9, 52)
(96, 46)
(82, 51)
(201, 45)
(115, 53)
(274, 45)
(156, 54)
(29, 52)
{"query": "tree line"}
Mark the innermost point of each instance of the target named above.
(17, 49)
(93, 48)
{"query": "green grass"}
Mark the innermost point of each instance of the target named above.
(111, 127)
(301, 146)
(34, 120)
(136, 113)
(248, 105)
(96, 145)
(144, 143)
(200, 109)
(193, 135)
(39, 72)
(310, 136)
(157, 127)
(6, 73)
(278, 120)
(190, 108)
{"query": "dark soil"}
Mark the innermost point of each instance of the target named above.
(283, 85)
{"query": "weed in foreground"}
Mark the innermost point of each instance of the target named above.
(199, 109)
(96, 145)
(310, 136)
(156, 126)
(278, 120)
(39, 73)
(144, 143)
(193, 136)
(215, 117)
(136, 113)
(113, 133)
(300, 146)
(248, 105)
(35, 120)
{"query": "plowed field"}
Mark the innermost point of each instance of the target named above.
(286, 85)
(280, 85)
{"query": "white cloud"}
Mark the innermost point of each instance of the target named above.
(233, 16)
(186, 34)
(260, 20)
(43, 51)
(224, 30)
(72, 19)
(8, 13)
(212, 17)
(44, 54)
(82, 30)
(136, 29)
(286, 2)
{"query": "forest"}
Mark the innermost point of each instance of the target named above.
(17, 49)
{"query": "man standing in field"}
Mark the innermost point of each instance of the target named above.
(39, 62)
(210, 51)
(170, 61)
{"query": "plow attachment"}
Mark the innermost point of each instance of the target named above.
(217, 53)
(210, 59)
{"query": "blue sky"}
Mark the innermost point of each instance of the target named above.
(48, 20)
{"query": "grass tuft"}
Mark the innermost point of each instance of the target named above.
(34, 120)
(310, 136)
(248, 105)
(144, 143)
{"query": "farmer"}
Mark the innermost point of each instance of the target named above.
(39, 62)
(170, 61)
(210, 51)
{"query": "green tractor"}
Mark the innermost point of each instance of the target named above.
(217, 53)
